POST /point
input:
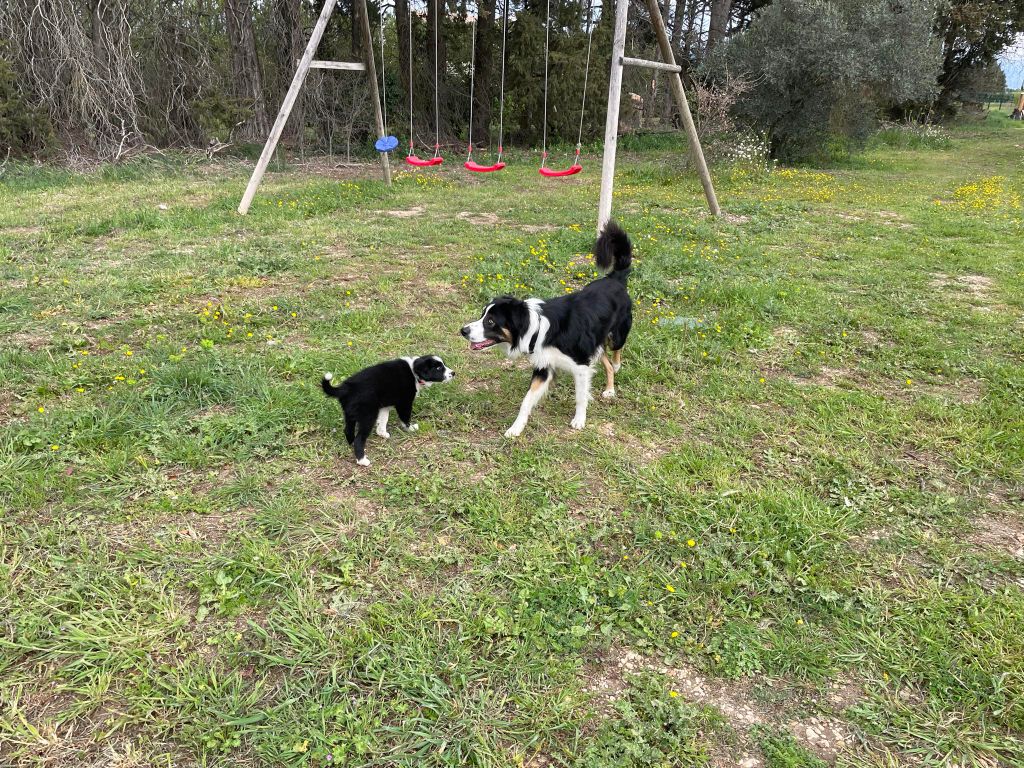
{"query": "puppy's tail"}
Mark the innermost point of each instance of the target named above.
(329, 389)
(613, 251)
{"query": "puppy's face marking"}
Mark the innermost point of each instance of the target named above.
(503, 322)
(430, 369)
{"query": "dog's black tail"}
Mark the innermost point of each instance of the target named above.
(329, 389)
(613, 251)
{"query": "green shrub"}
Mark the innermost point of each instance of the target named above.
(24, 128)
(825, 70)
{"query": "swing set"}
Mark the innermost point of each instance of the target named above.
(470, 164)
(386, 143)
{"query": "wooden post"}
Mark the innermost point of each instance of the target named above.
(286, 106)
(611, 120)
(371, 70)
(676, 81)
(305, 63)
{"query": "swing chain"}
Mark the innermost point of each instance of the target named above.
(586, 74)
(472, 73)
(410, 81)
(437, 101)
(547, 35)
(501, 98)
(383, 79)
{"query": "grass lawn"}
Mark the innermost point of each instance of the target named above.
(795, 537)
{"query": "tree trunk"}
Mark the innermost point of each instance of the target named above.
(436, 12)
(486, 34)
(245, 67)
(402, 31)
(99, 45)
(720, 10)
(291, 46)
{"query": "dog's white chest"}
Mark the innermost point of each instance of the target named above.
(549, 357)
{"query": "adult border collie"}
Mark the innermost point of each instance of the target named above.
(368, 396)
(567, 333)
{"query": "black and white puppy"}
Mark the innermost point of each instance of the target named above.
(368, 396)
(567, 333)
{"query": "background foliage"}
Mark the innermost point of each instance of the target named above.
(109, 78)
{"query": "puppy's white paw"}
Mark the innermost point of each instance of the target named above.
(608, 394)
(363, 462)
(579, 422)
(514, 431)
(383, 433)
(414, 427)
(616, 366)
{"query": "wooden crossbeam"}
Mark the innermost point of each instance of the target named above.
(306, 63)
(351, 66)
(659, 65)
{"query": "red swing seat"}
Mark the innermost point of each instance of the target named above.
(421, 163)
(551, 173)
(473, 165)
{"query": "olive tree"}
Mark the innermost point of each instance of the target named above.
(823, 71)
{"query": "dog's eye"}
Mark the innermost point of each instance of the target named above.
(490, 321)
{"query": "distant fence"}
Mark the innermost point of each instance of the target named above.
(995, 100)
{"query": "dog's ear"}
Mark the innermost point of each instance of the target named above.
(517, 319)
(419, 366)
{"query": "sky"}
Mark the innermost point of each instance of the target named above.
(1012, 62)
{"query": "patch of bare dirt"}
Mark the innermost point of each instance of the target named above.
(826, 377)
(23, 230)
(407, 213)
(1003, 534)
(102, 265)
(875, 339)
(785, 335)
(10, 408)
(211, 530)
(894, 219)
(843, 694)
(533, 229)
(218, 409)
(479, 219)
(979, 286)
(963, 391)
(735, 218)
(27, 340)
(824, 735)
(864, 541)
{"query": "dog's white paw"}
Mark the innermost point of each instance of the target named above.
(616, 366)
(514, 431)
(608, 394)
(363, 462)
(383, 433)
(579, 422)
(413, 427)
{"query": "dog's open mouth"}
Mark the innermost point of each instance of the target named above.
(476, 345)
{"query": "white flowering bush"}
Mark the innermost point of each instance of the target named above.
(744, 150)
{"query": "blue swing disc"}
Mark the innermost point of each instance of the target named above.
(386, 143)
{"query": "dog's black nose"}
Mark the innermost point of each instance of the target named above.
(465, 331)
